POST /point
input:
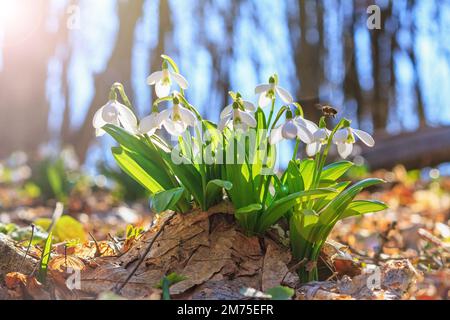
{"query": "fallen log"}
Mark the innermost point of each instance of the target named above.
(422, 148)
(12, 258)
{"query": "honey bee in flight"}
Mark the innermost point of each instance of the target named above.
(327, 110)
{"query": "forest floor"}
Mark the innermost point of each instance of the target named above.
(401, 253)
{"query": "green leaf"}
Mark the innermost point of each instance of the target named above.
(335, 170)
(336, 207)
(293, 178)
(56, 183)
(214, 189)
(166, 200)
(247, 216)
(301, 227)
(45, 256)
(65, 229)
(128, 162)
(168, 281)
(281, 293)
(278, 208)
(173, 278)
(307, 170)
(360, 207)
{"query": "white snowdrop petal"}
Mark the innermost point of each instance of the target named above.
(162, 89)
(319, 135)
(365, 137)
(345, 149)
(164, 115)
(284, 95)
(249, 106)
(312, 127)
(187, 116)
(182, 82)
(149, 124)
(224, 121)
(262, 88)
(340, 136)
(276, 135)
(304, 134)
(264, 100)
(99, 132)
(98, 121)
(110, 112)
(174, 128)
(312, 149)
(226, 111)
(248, 119)
(127, 118)
(154, 77)
(289, 130)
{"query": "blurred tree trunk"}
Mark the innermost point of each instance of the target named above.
(26, 49)
(381, 42)
(412, 56)
(352, 85)
(165, 28)
(308, 55)
(118, 69)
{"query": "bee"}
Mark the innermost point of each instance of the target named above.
(327, 110)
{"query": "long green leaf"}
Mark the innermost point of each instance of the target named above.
(360, 207)
(127, 162)
(307, 170)
(335, 170)
(45, 256)
(166, 200)
(336, 207)
(280, 207)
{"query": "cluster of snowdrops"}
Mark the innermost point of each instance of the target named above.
(195, 163)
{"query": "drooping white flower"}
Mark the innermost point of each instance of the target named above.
(290, 130)
(150, 124)
(267, 93)
(163, 81)
(320, 138)
(345, 138)
(248, 106)
(240, 119)
(114, 112)
(177, 119)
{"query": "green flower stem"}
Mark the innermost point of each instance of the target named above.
(272, 108)
(119, 87)
(297, 145)
(324, 156)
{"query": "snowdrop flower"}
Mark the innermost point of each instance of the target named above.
(267, 92)
(291, 129)
(248, 106)
(150, 124)
(114, 112)
(320, 138)
(176, 119)
(163, 81)
(241, 119)
(345, 138)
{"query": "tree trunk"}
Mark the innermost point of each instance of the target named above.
(26, 49)
(118, 69)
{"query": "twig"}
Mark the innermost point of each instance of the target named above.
(147, 251)
(28, 248)
(97, 247)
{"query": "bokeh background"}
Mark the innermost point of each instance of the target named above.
(58, 59)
